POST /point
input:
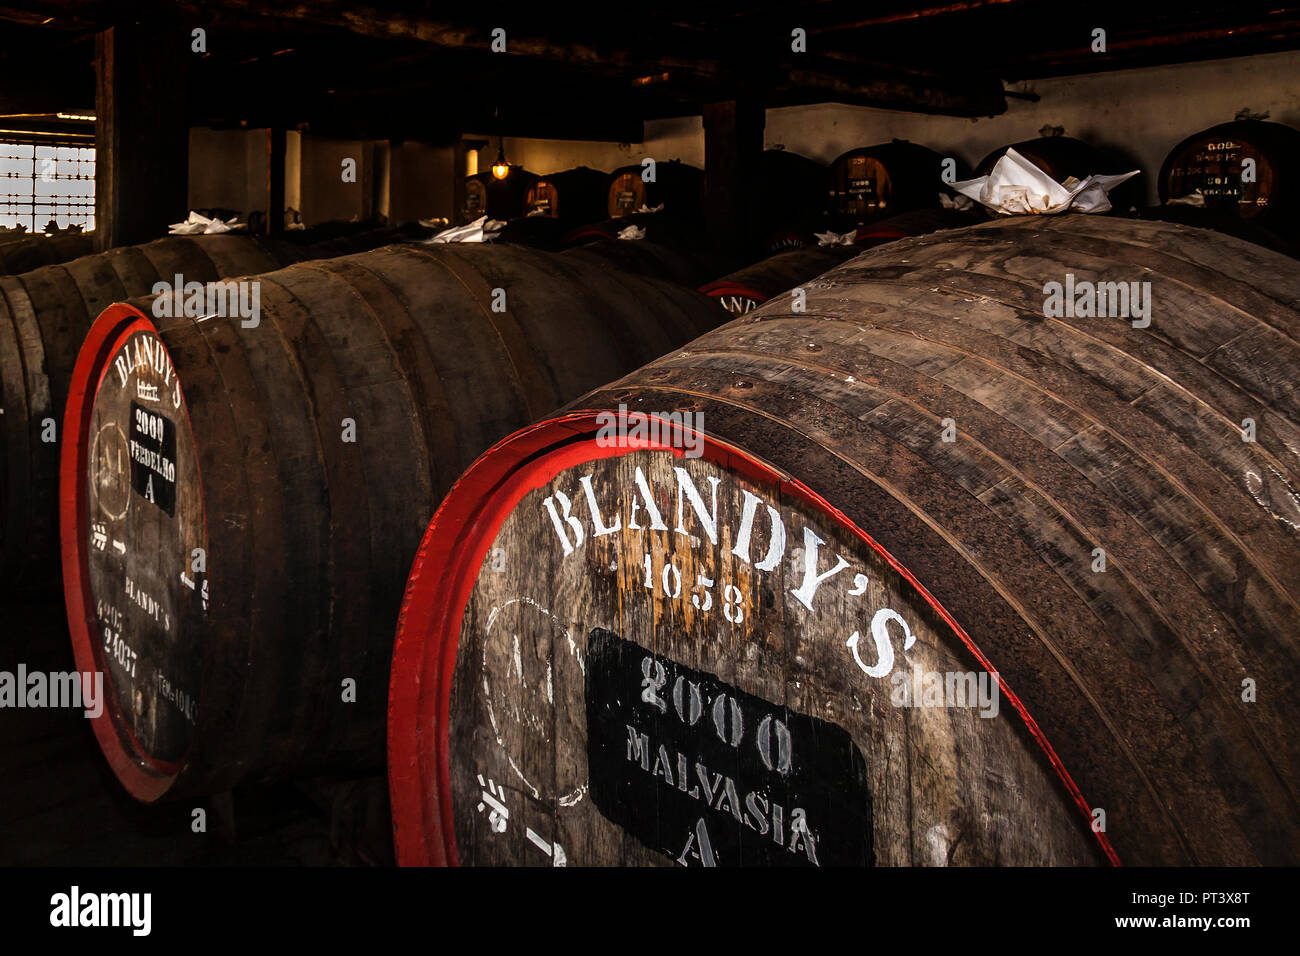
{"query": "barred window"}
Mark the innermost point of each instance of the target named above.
(40, 182)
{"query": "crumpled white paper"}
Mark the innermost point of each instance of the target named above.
(835, 238)
(1016, 187)
(960, 203)
(632, 232)
(197, 225)
(482, 229)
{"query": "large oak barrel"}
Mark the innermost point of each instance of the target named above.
(44, 316)
(640, 257)
(918, 222)
(938, 578)
(873, 182)
(31, 252)
(574, 196)
(1063, 157)
(371, 238)
(789, 200)
(677, 186)
(1245, 170)
(302, 458)
(681, 235)
(746, 289)
(1264, 232)
(485, 195)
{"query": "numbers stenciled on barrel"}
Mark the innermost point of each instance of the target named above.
(149, 424)
(771, 739)
(118, 649)
(733, 609)
(669, 581)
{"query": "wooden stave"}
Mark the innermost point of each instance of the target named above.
(49, 310)
(247, 738)
(1207, 815)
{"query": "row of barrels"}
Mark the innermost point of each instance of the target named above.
(694, 616)
(1236, 177)
(45, 314)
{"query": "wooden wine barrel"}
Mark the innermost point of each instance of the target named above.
(918, 222)
(746, 289)
(775, 633)
(26, 254)
(574, 196)
(537, 232)
(683, 236)
(1212, 162)
(1261, 231)
(873, 182)
(367, 239)
(303, 457)
(790, 201)
(44, 316)
(1062, 157)
(485, 195)
(640, 257)
(677, 186)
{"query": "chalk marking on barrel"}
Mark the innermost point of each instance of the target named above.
(573, 797)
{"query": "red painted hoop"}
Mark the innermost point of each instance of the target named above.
(446, 568)
(721, 287)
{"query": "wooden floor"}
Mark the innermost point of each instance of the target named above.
(61, 806)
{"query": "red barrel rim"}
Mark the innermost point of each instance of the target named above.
(144, 776)
(875, 235)
(720, 287)
(446, 568)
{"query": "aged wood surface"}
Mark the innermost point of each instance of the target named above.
(323, 437)
(746, 289)
(1160, 678)
(947, 785)
(44, 316)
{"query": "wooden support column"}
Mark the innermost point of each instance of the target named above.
(733, 149)
(276, 156)
(141, 132)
